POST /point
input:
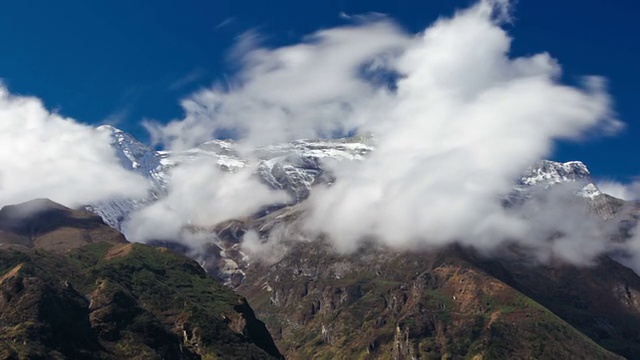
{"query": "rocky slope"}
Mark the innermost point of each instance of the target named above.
(447, 303)
(436, 303)
(73, 288)
(440, 303)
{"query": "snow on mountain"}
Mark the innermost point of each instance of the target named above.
(294, 167)
(298, 165)
(221, 152)
(545, 173)
(137, 157)
(133, 154)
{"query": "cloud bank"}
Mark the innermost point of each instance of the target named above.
(466, 120)
(44, 155)
(456, 118)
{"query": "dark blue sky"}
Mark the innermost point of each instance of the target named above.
(129, 60)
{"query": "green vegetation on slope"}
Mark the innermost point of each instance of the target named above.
(390, 305)
(121, 301)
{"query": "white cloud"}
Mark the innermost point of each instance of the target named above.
(622, 191)
(462, 120)
(44, 155)
(226, 22)
(200, 195)
(303, 90)
(465, 121)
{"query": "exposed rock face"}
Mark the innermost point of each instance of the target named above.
(88, 295)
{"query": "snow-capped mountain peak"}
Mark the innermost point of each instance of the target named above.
(546, 172)
(133, 154)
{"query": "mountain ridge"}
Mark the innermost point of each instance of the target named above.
(294, 167)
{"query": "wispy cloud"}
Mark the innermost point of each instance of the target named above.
(200, 195)
(118, 116)
(188, 79)
(624, 191)
(226, 22)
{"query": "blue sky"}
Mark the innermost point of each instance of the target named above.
(123, 61)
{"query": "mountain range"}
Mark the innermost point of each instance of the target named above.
(449, 302)
(294, 167)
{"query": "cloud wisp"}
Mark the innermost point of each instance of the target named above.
(200, 195)
(629, 191)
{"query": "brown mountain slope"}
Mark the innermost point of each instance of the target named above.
(44, 224)
(80, 296)
(448, 303)
(602, 301)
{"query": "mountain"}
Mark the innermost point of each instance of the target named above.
(137, 157)
(447, 303)
(73, 288)
(450, 302)
(547, 173)
(294, 167)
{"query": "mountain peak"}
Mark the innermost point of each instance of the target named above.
(547, 172)
(133, 154)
